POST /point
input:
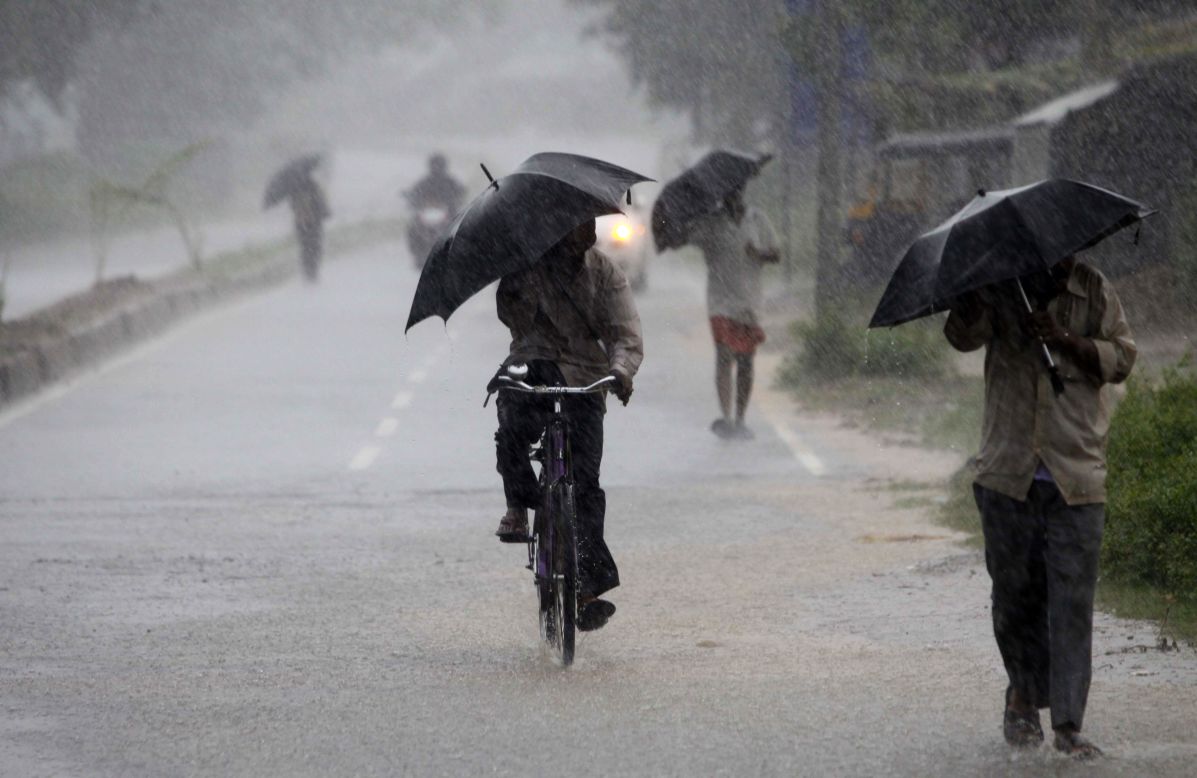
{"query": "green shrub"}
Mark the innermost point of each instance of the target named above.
(1151, 524)
(830, 348)
(914, 350)
(835, 347)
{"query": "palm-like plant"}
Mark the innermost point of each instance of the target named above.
(111, 202)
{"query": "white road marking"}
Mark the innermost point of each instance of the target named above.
(364, 458)
(387, 427)
(401, 401)
(801, 452)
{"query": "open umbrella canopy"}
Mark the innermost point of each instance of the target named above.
(700, 191)
(1000, 236)
(289, 177)
(512, 223)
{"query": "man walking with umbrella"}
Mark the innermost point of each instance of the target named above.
(1055, 337)
(309, 208)
(1040, 485)
(705, 207)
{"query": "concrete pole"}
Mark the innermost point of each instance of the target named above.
(828, 65)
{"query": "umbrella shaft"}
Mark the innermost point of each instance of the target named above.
(1047, 354)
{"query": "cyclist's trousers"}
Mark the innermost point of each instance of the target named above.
(522, 420)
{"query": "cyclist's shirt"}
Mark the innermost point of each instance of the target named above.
(587, 324)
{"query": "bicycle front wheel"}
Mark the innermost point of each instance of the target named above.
(559, 587)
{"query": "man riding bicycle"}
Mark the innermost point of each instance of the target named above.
(573, 321)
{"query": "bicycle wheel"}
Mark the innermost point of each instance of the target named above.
(565, 569)
(557, 565)
(546, 591)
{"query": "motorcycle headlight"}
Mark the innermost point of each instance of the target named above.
(622, 232)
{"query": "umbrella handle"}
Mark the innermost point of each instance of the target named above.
(1052, 370)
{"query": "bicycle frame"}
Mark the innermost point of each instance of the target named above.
(553, 560)
(555, 468)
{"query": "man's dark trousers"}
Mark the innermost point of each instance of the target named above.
(522, 419)
(1042, 556)
(311, 239)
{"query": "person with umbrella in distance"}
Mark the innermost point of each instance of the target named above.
(295, 183)
(704, 206)
(572, 319)
(1055, 337)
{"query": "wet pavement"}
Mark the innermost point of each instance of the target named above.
(261, 546)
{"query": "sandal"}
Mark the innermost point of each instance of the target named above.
(1021, 729)
(513, 527)
(1070, 743)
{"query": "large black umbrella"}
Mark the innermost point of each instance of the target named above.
(289, 178)
(1001, 236)
(699, 191)
(512, 223)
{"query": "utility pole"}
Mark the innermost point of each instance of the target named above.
(828, 72)
(1097, 37)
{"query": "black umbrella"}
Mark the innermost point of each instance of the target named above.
(1001, 236)
(289, 178)
(512, 223)
(699, 191)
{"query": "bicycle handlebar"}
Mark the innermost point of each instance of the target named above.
(520, 386)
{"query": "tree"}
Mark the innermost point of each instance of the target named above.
(41, 41)
(110, 202)
(828, 68)
(720, 62)
(203, 68)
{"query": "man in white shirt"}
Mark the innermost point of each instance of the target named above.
(737, 241)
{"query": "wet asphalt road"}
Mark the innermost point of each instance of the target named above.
(261, 546)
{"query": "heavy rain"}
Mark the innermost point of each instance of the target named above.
(598, 387)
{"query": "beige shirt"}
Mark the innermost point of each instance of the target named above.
(595, 335)
(1025, 422)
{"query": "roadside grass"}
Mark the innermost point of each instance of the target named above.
(337, 241)
(1175, 620)
(86, 305)
(936, 413)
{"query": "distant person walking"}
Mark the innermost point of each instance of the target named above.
(1040, 486)
(295, 184)
(310, 209)
(737, 241)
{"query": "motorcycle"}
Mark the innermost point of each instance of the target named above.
(427, 223)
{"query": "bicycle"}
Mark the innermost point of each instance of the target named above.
(553, 542)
